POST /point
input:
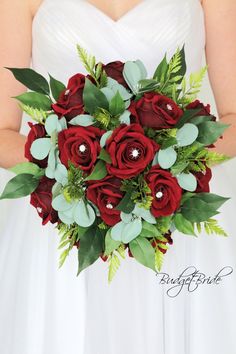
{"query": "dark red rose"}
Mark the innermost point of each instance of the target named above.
(205, 110)
(130, 150)
(115, 71)
(155, 111)
(37, 131)
(70, 103)
(41, 199)
(165, 191)
(80, 145)
(203, 179)
(106, 195)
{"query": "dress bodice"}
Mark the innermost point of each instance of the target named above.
(146, 32)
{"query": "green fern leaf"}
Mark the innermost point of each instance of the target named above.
(159, 259)
(114, 264)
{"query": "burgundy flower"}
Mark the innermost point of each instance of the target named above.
(41, 199)
(130, 150)
(106, 195)
(70, 102)
(203, 179)
(80, 145)
(115, 71)
(165, 191)
(155, 111)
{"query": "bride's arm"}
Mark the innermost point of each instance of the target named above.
(15, 49)
(221, 59)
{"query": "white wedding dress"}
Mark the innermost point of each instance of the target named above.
(44, 310)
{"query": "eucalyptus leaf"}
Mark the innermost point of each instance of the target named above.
(83, 120)
(61, 174)
(132, 74)
(110, 244)
(40, 148)
(59, 203)
(187, 134)
(84, 214)
(116, 231)
(52, 124)
(167, 157)
(187, 181)
(104, 138)
(125, 117)
(131, 230)
(66, 216)
(145, 214)
(126, 218)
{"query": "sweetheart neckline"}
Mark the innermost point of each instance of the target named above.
(127, 13)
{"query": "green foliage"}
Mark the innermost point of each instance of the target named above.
(211, 226)
(114, 264)
(89, 62)
(35, 100)
(20, 186)
(74, 189)
(187, 95)
(99, 171)
(143, 252)
(31, 79)
(138, 191)
(38, 115)
(56, 87)
(103, 117)
(159, 259)
(110, 244)
(183, 225)
(69, 236)
(93, 98)
(163, 224)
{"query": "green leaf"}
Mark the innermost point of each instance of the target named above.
(209, 132)
(200, 119)
(186, 117)
(110, 244)
(167, 157)
(104, 138)
(91, 247)
(187, 134)
(149, 230)
(93, 97)
(114, 264)
(35, 100)
(116, 105)
(168, 143)
(143, 252)
(126, 204)
(161, 70)
(98, 172)
(214, 200)
(180, 55)
(159, 259)
(187, 181)
(196, 210)
(183, 225)
(57, 87)
(26, 167)
(104, 156)
(131, 230)
(31, 79)
(20, 186)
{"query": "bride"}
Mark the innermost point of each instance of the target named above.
(44, 310)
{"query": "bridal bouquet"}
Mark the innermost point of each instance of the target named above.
(117, 160)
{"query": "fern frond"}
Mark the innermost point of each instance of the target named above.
(114, 264)
(211, 226)
(121, 250)
(159, 259)
(37, 115)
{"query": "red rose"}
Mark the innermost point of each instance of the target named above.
(41, 199)
(37, 131)
(130, 150)
(80, 145)
(165, 191)
(155, 111)
(115, 71)
(106, 195)
(205, 110)
(70, 103)
(203, 180)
